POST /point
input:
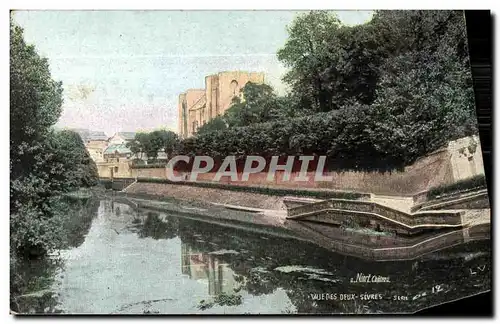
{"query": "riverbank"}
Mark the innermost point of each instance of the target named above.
(188, 261)
(357, 241)
(213, 195)
(75, 212)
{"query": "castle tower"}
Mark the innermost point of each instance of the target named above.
(198, 106)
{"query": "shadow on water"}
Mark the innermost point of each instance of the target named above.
(147, 262)
(317, 280)
(31, 281)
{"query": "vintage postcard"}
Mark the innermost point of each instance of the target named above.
(244, 162)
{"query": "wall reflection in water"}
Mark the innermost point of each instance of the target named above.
(253, 271)
(206, 267)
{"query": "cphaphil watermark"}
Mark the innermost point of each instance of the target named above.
(253, 164)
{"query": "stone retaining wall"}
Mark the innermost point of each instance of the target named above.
(373, 215)
(460, 160)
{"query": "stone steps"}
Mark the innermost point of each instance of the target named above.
(375, 215)
(451, 202)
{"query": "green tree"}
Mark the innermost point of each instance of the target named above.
(43, 164)
(215, 124)
(259, 104)
(80, 169)
(138, 145)
(35, 102)
(307, 56)
(154, 142)
(425, 96)
(170, 143)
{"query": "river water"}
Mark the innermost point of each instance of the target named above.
(128, 261)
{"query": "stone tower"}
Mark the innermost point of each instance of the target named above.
(198, 106)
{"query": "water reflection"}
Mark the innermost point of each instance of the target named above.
(259, 264)
(31, 282)
(207, 268)
(139, 261)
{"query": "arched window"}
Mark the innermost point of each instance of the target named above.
(234, 87)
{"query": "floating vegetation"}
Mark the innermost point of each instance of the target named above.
(221, 300)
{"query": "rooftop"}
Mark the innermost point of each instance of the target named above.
(117, 148)
(126, 135)
(97, 136)
(88, 135)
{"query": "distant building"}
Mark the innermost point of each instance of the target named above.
(95, 143)
(121, 138)
(198, 106)
(117, 153)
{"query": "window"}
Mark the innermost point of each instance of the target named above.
(116, 169)
(184, 118)
(234, 87)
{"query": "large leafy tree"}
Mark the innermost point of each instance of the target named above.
(35, 102)
(154, 142)
(307, 56)
(399, 87)
(425, 96)
(138, 145)
(259, 104)
(43, 163)
(35, 105)
(80, 169)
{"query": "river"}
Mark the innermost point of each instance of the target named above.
(128, 261)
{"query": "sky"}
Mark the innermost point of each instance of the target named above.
(124, 70)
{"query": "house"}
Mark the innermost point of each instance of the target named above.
(95, 142)
(121, 138)
(117, 153)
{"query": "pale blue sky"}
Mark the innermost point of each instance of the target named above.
(124, 70)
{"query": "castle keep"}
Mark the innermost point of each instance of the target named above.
(198, 106)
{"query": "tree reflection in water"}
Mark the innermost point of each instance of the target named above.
(159, 228)
(31, 281)
(260, 264)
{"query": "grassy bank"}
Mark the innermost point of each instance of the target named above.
(270, 191)
(473, 183)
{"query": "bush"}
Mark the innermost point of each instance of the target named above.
(262, 190)
(149, 166)
(475, 182)
(351, 138)
(33, 234)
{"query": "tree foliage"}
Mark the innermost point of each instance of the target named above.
(43, 163)
(79, 167)
(332, 65)
(216, 124)
(154, 142)
(259, 104)
(306, 54)
(138, 145)
(373, 96)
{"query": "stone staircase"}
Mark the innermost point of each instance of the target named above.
(373, 214)
(477, 199)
